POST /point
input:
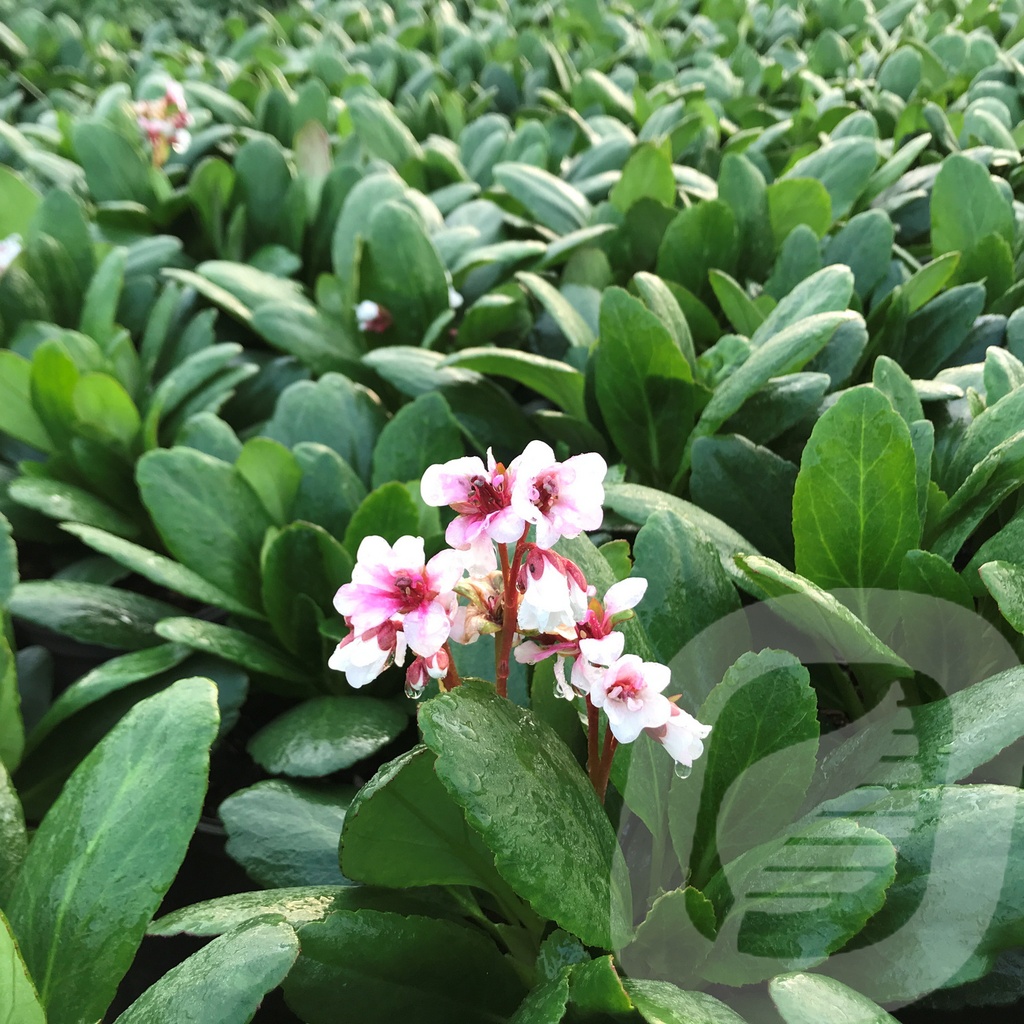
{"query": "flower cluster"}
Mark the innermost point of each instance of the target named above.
(165, 122)
(536, 602)
(10, 250)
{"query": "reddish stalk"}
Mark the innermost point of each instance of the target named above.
(593, 723)
(604, 769)
(509, 611)
(451, 677)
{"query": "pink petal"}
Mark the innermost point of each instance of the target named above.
(427, 628)
(625, 594)
(448, 482)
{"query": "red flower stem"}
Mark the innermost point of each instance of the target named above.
(451, 677)
(593, 722)
(605, 767)
(509, 611)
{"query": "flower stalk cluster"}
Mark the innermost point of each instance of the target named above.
(165, 122)
(536, 603)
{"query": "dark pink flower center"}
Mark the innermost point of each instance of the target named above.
(545, 492)
(413, 591)
(627, 687)
(485, 496)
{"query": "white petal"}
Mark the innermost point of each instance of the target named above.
(625, 594)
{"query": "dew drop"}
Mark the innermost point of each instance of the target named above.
(682, 771)
(414, 692)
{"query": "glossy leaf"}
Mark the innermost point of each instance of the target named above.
(552, 843)
(80, 928)
(286, 834)
(382, 967)
(225, 980)
(326, 734)
(815, 999)
(18, 1000)
(208, 516)
(661, 1002)
(403, 829)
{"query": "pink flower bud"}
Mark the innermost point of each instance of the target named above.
(372, 318)
(555, 593)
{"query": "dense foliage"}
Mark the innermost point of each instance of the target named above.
(764, 257)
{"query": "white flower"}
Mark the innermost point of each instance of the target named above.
(681, 736)
(454, 298)
(555, 597)
(630, 691)
(10, 250)
(364, 656)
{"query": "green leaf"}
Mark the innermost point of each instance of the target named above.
(550, 201)
(744, 316)
(90, 612)
(827, 291)
(403, 829)
(943, 834)
(381, 131)
(595, 987)
(814, 999)
(644, 387)
(742, 187)
(208, 516)
(8, 561)
(13, 837)
(115, 168)
(785, 352)
(19, 202)
(555, 380)
(12, 731)
(99, 312)
(286, 834)
(302, 560)
(855, 504)
(957, 225)
(273, 473)
(421, 433)
(889, 377)
(18, 416)
(722, 468)
(576, 330)
(925, 573)
(105, 679)
(638, 504)
(647, 173)
(232, 645)
(842, 167)
(998, 422)
(926, 745)
(163, 571)
(818, 613)
(387, 512)
(230, 977)
(673, 939)
(1005, 582)
(402, 270)
(927, 282)
(687, 592)
(699, 238)
(799, 897)
(326, 734)
(298, 905)
(661, 1002)
(80, 927)
(757, 764)
(865, 246)
(383, 967)
(545, 1004)
(659, 298)
(553, 843)
(18, 1000)
(796, 201)
(106, 412)
(334, 412)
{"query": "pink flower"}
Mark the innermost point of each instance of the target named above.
(363, 656)
(372, 318)
(394, 583)
(562, 499)
(593, 661)
(681, 736)
(630, 691)
(165, 121)
(482, 496)
(555, 593)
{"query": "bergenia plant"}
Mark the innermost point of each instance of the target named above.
(165, 122)
(536, 603)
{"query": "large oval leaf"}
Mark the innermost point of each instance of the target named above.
(523, 791)
(80, 926)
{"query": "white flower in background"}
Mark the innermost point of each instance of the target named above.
(372, 317)
(454, 298)
(10, 250)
